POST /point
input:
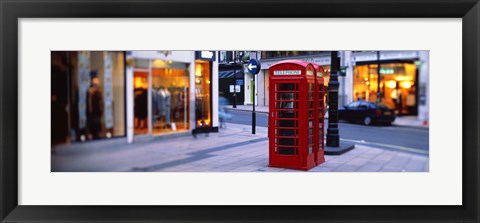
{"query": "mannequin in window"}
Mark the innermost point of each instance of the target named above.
(94, 107)
(164, 104)
(154, 106)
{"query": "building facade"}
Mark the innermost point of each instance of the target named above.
(232, 85)
(398, 79)
(133, 94)
(171, 92)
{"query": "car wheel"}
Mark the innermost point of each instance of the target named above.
(367, 120)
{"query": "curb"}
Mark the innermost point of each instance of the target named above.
(244, 110)
(412, 126)
(266, 112)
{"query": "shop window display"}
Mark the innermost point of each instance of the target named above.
(170, 104)
(202, 94)
(168, 99)
(397, 87)
(87, 95)
(140, 108)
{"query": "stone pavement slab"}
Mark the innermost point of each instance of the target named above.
(233, 149)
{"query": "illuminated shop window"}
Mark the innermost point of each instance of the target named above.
(203, 113)
(170, 103)
(397, 85)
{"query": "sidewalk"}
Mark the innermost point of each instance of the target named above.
(407, 121)
(233, 149)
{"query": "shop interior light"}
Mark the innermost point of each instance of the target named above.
(159, 64)
(403, 78)
(392, 84)
(406, 84)
(138, 82)
(198, 70)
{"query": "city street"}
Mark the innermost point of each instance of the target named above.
(408, 139)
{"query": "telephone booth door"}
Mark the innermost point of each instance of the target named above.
(292, 114)
(285, 119)
(320, 122)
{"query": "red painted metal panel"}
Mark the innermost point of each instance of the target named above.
(293, 115)
(320, 99)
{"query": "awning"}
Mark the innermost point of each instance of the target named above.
(229, 73)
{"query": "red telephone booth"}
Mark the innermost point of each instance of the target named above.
(320, 121)
(292, 115)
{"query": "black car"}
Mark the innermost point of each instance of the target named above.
(367, 113)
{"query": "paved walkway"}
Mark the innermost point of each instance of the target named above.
(233, 149)
(408, 121)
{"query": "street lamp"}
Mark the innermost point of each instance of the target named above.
(235, 79)
(333, 145)
(333, 136)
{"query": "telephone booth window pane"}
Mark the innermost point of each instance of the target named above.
(287, 150)
(321, 110)
(286, 123)
(287, 87)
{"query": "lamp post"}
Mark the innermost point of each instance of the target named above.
(253, 68)
(333, 136)
(235, 80)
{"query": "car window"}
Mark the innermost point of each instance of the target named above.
(364, 105)
(353, 104)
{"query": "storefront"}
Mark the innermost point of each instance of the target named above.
(401, 81)
(87, 96)
(396, 87)
(172, 92)
(231, 83)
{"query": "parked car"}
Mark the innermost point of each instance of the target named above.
(367, 113)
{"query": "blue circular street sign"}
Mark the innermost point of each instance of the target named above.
(253, 66)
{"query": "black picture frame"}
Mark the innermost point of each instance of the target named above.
(11, 11)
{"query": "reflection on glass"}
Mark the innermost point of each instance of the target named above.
(87, 92)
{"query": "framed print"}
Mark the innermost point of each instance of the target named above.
(150, 127)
